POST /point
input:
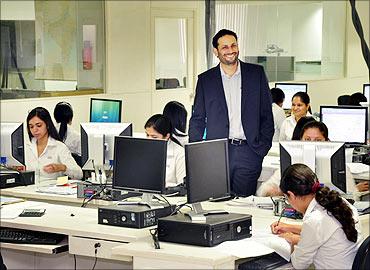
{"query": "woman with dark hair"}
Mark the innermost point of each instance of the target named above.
(63, 115)
(329, 236)
(300, 108)
(159, 127)
(176, 112)
(299, 126)
(356, 98)
(45, 153)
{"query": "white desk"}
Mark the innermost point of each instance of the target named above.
(30, 193)
(83, 233)
(123, 247)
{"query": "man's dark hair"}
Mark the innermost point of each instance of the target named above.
(221, 33)
(356, 98)
(277, 95)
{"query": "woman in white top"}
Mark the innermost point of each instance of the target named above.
(300, 108)
(45, 153)
(316, 132)
(159, 127)
(330, 235)
(176, 112)
(63, 115)
(278, 113)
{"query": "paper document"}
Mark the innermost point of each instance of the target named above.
(260, 202)
(273, 241)
(244, 248)
(9, 200)
(61, 190)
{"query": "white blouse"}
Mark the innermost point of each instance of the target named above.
(54, 152)
(175, 167)
(323, 241)
(287, 128)
(73, 139)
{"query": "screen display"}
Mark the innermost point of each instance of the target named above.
(105, 110)
(345, 124)
(207, 170)
(367, 91)
(289, 90)
(139, 164)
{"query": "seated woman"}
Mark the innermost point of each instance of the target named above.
(159, 127)
(330, 235)
(63, 115)
(45, 153)
(311, 131)
(300, 108)
(176, 112)
(300, 124)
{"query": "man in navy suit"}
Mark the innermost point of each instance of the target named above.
(233, 101)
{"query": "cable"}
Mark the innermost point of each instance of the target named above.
(96, 259)
(75, 261)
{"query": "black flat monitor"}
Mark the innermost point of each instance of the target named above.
(346, 123)
(289, 90)
(105, 110)
(326, 159)
(12, 144)
(207, 173)
(366, 91)
(140, 165)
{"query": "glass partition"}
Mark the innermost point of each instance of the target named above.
(171, 55)
(293, 40)
(51, 46)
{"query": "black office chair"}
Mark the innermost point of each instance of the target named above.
(78, 159)
(362, 259)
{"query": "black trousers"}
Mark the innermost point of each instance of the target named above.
(245, 169)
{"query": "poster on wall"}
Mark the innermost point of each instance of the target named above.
(55, 30)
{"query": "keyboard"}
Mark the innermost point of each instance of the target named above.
(266, 262)
(19, 236)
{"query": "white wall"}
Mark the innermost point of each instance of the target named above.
(129, 69)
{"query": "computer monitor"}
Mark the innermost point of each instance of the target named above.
(345, 123)
(105, 110)
(289, 90)
(12, 144)
(97, 144)
(140, 166)
(207, 173)
(326, 159)
(366, 91)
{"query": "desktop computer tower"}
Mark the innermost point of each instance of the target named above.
(9, 178)
(217, 229)
(132, 216)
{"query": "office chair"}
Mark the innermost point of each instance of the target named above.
(362, 259)
(78, 159)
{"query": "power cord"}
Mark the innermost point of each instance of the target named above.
(96, 246)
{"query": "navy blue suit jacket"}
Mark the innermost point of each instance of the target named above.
(210, 109)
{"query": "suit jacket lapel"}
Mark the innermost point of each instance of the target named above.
(246, 84)
(219, 89)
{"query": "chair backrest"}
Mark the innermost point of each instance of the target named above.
(362, 259)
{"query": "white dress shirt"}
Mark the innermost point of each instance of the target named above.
(54, 152)
(175, 164)
(233, 95)
(323, 241)
(182, 139)
(279, 117)
(287, 128)
(73, 139)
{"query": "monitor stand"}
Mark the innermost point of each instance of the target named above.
(198, 214)
(100, 175)
(147, 200)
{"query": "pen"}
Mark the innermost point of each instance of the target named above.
(281, 215)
